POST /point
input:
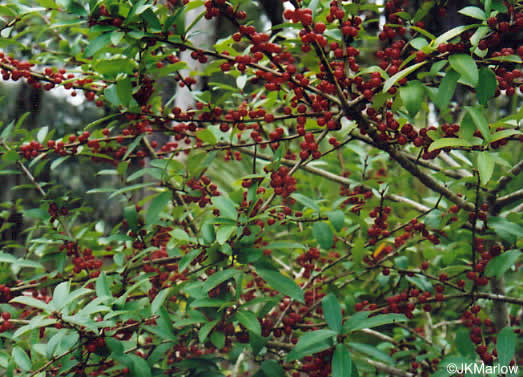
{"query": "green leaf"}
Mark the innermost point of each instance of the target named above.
(102, 286)
(378, 320)
(207, 136)
(499, 265)
(42, 133)
(341, 362)
(249, 321)
(11, 156)
(282, 284)
(473, 12)
(218, 340)
(187, 259)
(306, 201)
(508, 58)
(447, 142)
(285, 245)
(487, 84)
(506, 345)
(111, 95)
(446, 89)
(323, 234)
(208, 233)
(313, 5)
(451, 34)
(114, 345)
(158, 301)
(310, 343)
(224, 233)
(371, 351)
(60, 294)
(463, 342)
(157, 205)
(7, 258)
(35, 323)
(130, 215)
(31, 301)
(418, 43)
(127, 189)
(401, 74)
(21, 359)
(332, 312)
(486, 164)
(111, 67)
(219, 277)
(487, 5)
(139, 367)
(241, 81)
(412, 96)
(504, 134)
(337, 219)
(466, 66)
(226, 206)
(479, 119)
(124, 90)
(206, 329)
(272, 368)
(141, 7)
(478, 36)
(97, 44)
(7, 131)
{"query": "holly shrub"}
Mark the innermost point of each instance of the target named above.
(342, 197)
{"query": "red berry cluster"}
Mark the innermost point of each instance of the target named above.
(6, 325)
(5, 293)
(283, 184)
(380, 226)
(415, 227)
(309, 147)
(31, 150)
(14, 69)
(303, 15)
(307, 259)
(216, 8)
(206, 191)
(95, 345)
(82, 259)
(477, 273)
(471, 319)
(481, 215)
(357, 197)
(509, 80)
(317, 365)
(55, 212)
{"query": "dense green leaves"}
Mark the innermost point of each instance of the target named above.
(485, 167)
(446, 89)
(401, 74)
(332, 312)
(311, 342)
(466, 66)
(486, 85)
(281, 283)
(271, 199)
(156, 207)
(361, 321)
(499, 265)
(323, 234)
(412, 96)
(341, 362)
(479, 120)
(506, 345)
(249, 321)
